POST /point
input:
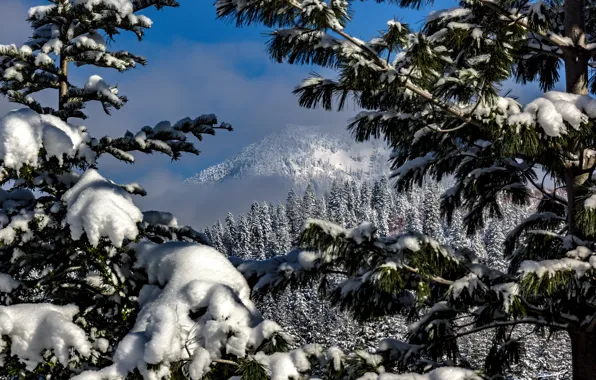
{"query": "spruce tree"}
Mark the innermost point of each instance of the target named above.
(435, 94)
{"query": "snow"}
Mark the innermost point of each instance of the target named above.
(7, 283)
(550, 267)
(590, 202)
(34, 328)
(123, 7)
(100, 208)
(272, 271)
(507, 292)
(92, 41)
(414, 164)
(362, 233)
(96, 84)
(24, 132)
(470, 282)
(553, 109)
(192, 276)
(160, 217)
(303, 155)
(443, 373)
(40, 11)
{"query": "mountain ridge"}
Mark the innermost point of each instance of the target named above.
(302, 155)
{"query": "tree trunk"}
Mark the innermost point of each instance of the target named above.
(583, 353)
(576, 60)
(63, 81)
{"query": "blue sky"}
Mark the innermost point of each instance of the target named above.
(198, 64)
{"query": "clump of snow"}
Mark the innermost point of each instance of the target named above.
(96, 84)
(160, 217)
(34, 328)
(443, 373)
(92, 41)
(554, 109)
(470, 282)
(590, 202)
(193, 277)
(363, 233)
(100, 208)
(7, 283)
(24, 132)
(123, 7)
(274, 271)
(507, 293)
(550, 267)
(414, 164)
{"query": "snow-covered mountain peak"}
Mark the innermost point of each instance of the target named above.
(303, 154)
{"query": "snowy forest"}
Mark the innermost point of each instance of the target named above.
(268, 230)
(475, 259)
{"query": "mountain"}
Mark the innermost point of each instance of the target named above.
(301, 155)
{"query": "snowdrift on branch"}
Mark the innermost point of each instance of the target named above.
(24, 132)
(101, 208)
(187, 279)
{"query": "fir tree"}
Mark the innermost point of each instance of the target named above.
(435, 95)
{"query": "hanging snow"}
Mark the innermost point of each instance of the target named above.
(24, 132)
(100, 208)
(194, 277)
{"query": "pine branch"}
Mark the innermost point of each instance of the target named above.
(449, 108)
(521, 20)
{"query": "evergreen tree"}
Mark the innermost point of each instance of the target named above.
(320, 208)
(337, 204)
(283, 240)
(308, 206)
(257, 234)
(293, 213)
(381, 202)
(432, 225)
(231, 236)
(364, 211)
(267, 228)
(435, 95)
(244, 243)
(217, 237)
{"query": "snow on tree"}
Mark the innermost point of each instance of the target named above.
(283, 241)
(231, 235)
(433, 225)
(308, 206)
(293, 212)
(364, 211)
(435, 94)
(267, 227)
(243, 238)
